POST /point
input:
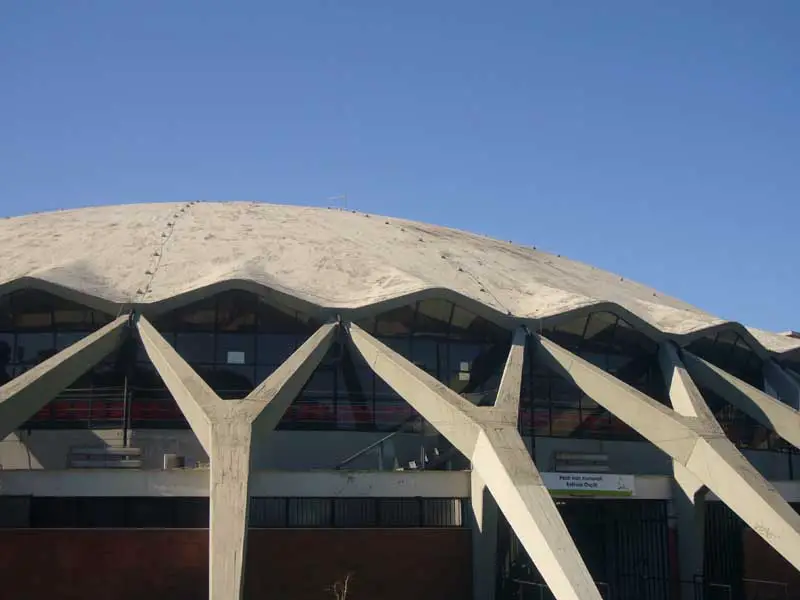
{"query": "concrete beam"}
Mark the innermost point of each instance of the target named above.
(267, 404)
(24, 396)
(763, 408)
(226, 429)
(488, 437)
(689, 493)
(484, 508)
(511, 382)
(229, 493)
(485, 523)
(694, 442)
(787, 387)
(191, 393)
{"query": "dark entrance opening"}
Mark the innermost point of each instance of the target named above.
(623, 542)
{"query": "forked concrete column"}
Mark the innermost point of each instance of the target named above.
(689, 493)
(485, 511)
(787, 387)
(763, 408)
(226, 429)
(488, 437)
(692, 442)
(24, 396)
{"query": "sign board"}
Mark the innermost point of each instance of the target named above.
(589, 484)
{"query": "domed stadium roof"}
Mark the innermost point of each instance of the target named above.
(331, 258)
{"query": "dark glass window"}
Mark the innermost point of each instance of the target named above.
(195, 347)
(272, 319)
(730, 352)
(356, 512)
(236, 379)
(551, 405)
(235, 349)
(66, 339)
(275, 348)
(33, 348)
(236, 311)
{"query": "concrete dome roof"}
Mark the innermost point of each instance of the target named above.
(149, 253)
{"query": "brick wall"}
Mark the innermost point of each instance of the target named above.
(761, 561)
(387, 564)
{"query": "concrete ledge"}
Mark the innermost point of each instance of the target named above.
(276, 484)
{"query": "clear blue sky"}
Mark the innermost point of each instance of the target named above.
(659, 140)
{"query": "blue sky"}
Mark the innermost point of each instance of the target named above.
(657, 140)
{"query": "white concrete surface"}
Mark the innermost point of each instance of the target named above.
(695, 443)
(147, 253)
(272, 484)
(226, 428)
(488, 436)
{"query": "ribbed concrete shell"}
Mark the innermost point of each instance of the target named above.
(145, 259)
(325, 259)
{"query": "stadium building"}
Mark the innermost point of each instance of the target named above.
(242, 400)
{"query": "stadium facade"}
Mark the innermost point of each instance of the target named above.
(242, 400)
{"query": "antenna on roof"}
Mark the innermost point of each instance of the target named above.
(340, 198)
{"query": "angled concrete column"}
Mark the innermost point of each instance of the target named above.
(484, 508)
(24, 396)
(226, 429)
(693, 442)
(689, 493)
(489, 437)
(766, 410)
(787, 387)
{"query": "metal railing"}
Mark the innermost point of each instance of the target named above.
(534, 590)
(763, 589)
(379, 444)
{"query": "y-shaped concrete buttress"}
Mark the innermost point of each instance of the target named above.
(226, 428)
(22, 397)
(766, 410)
(489, 437)
(689, 497)
(694, 442)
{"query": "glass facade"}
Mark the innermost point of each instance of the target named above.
(35, 325)
(552, 406)
(235, 340)
(462, 350)
(729, 351)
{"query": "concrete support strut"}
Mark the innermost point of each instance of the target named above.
(787, 387)
(226, 429)
(689, 497)
(763, 408)
(24, 396)
(484, 539)
(488, 437)
(692, 441)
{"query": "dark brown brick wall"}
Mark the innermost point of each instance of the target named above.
(761, 561)
(90, 563)
(386, 564)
